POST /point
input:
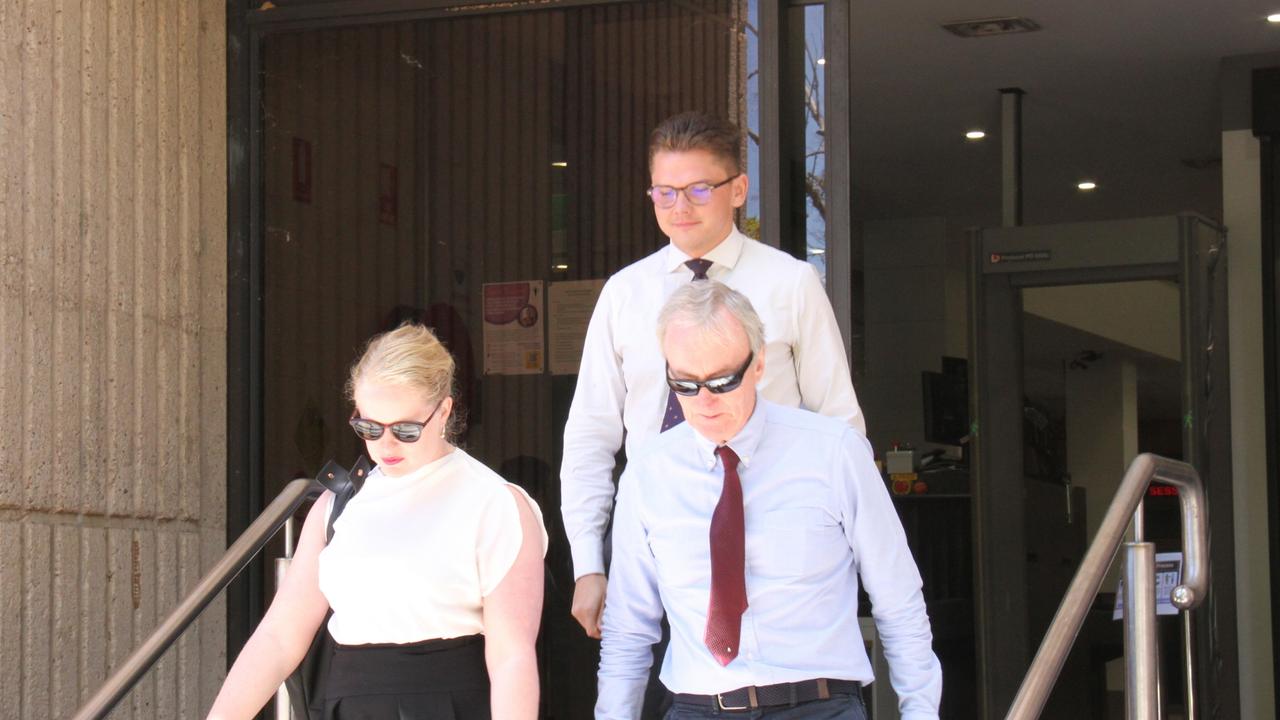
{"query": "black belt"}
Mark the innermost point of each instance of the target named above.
(761, 696)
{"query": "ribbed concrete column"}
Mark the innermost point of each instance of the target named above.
(112, 335)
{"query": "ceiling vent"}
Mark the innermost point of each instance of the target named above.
(991, 26)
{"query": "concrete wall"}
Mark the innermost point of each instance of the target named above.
(112, 345)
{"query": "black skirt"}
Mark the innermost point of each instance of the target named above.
(429, 680)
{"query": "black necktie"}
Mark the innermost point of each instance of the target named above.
(674, 414)
(699, 266)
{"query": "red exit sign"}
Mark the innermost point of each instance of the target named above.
(1162, 491)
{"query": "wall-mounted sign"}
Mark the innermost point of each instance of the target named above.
(1168, 576)
(569, 307)
(1021, 256)
(513, 328)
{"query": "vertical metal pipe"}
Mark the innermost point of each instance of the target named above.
(1011, 155)
(288, 545)
(1057, 642)
(1142, 699)
(1188, 664)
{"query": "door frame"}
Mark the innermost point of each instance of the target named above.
(1187, 249)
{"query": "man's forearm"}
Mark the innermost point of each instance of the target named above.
(586, 502)
(585, 530)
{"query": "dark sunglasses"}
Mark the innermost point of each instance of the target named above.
(717, 385)
(405, 431)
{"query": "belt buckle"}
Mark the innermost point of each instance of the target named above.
(722, 706)
(750, 701)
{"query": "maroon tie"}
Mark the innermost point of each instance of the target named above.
(728, 565)
(675, 414)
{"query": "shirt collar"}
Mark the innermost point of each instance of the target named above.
(744, 444)
(725, 254)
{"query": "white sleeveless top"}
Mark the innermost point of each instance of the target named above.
(413, 557)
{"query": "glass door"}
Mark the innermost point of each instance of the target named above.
(464, 165)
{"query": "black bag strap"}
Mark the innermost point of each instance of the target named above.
(306, 682)
(344, 484)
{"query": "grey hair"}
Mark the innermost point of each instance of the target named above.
(698, 304)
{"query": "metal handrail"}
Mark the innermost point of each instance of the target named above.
(223, 572)
(1067, 622)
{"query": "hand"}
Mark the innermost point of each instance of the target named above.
(588, 602)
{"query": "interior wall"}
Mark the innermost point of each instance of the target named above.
(1242, 214)
(521, 145)
(472, 112)
(112, 346)
(1102, 437)
(916, 313)
(340, 118)
(1151, 320)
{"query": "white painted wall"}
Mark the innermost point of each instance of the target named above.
(916, 312)
(1145, 315)
(1102, 436)
(1242, 216)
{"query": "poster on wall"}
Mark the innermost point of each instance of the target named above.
(569, 307)
(513, 328)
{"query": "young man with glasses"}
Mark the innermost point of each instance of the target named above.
(749, 526)
(697, 184)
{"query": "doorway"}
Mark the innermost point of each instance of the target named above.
(423, 165)
(1094, 342)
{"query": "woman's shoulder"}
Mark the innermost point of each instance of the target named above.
(473, 469)
(477, 477)
(483, 480)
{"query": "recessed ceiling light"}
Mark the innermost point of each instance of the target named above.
(1273, 18)
(560, 163)
(822, 61)
(1087, 185)
(975, 135)
(560, 267)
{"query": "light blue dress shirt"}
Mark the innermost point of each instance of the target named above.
(622, 384)
(817, 517)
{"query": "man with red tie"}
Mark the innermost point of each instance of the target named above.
(750, 525)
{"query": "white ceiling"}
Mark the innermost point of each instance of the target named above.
(1121, 92)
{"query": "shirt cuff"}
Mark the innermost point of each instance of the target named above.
(588, 557)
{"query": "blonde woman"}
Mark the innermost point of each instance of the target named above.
(434, 572)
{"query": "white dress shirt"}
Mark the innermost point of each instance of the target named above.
(622, 379)
(817, 516)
